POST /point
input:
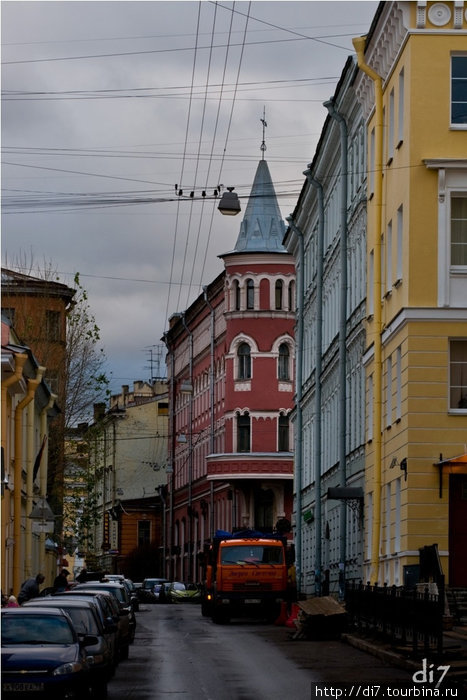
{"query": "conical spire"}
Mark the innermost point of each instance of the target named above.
(262, 229)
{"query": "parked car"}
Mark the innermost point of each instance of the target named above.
(160, 592)
(129, 585)
(116, 631)
(179, 592)
(146, 592)
(43, 655)
(120, 593)
(86, 621)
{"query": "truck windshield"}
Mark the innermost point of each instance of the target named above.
(252, 554)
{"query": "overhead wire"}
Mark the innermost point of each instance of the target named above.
(183, 159)
(225, 144)
(200, 140)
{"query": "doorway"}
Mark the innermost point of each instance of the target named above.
(458, 530)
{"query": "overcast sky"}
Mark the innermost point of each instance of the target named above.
(110, 108)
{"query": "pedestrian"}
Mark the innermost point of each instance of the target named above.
(82, 576)
(12, 602)
(61, 581)
(30, 588)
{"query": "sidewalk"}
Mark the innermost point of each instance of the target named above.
(356, 659)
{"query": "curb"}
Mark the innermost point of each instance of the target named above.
(382, 653)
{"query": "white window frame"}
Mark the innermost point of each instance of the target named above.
(400, 243)
(400, 111)
(456, 409)
(456, 125)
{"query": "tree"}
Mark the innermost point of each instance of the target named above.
(56, 322)
(86, 381)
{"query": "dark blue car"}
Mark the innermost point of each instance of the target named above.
(42, 655)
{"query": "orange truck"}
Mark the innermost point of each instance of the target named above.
(245, 576)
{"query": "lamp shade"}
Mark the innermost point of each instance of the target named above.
(229, 203)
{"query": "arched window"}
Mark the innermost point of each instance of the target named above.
(237, 295)
(243, 432)
(250, 294)
(283, 438)
(284, 362)
(279, 288)
(244, 361)
(291, 291)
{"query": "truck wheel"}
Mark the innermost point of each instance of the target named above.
(205, 609)
(219, 617)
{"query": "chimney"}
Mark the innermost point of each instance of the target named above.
(125, 389)
(99, 411)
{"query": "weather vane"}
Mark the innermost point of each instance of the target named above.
(264, 123)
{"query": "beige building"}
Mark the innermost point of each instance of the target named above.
(128, 460)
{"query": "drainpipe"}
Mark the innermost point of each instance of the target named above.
(20, 361)
(338, 117)
(211, 391)
(43, 469)
(318, 364)
(17, 551)
(190, 460)
(299, 407)
(359, 45)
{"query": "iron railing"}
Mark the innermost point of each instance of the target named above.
(405, 617)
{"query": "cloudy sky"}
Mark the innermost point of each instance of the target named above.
(110, 108)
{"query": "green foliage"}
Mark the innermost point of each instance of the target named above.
(87, 382)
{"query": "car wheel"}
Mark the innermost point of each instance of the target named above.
(125, 652)
(99, 690)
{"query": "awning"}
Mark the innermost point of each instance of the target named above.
(457, 465)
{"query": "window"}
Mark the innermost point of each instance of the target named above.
(398, 383)
(459, 230)
(144, 532)
(283, 368)
(391, 127)
(388, 392)
(237, 295)
(291, 291)
(52, 325)
(458, 375)
(400, 123)
(459, 90)
(250, 294)
(279, 287)
(243, 432)
(389, 258)
(371, 174)
(10, 314)
(162, 409)
(244, 361)
(400, 230)
(283, 442)
(371, 283)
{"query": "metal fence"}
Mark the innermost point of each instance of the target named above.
(404, 617)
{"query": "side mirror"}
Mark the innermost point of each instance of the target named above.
(88, 640)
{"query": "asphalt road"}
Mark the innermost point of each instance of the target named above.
(177, 653)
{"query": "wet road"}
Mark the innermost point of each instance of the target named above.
(179, 654)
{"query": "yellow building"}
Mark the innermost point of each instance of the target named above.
(413, 87)
(27, 408)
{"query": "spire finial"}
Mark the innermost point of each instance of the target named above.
(264, 123)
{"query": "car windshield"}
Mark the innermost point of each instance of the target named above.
(252, 554)
(32, 629)
(179, 586)
(83, 620)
